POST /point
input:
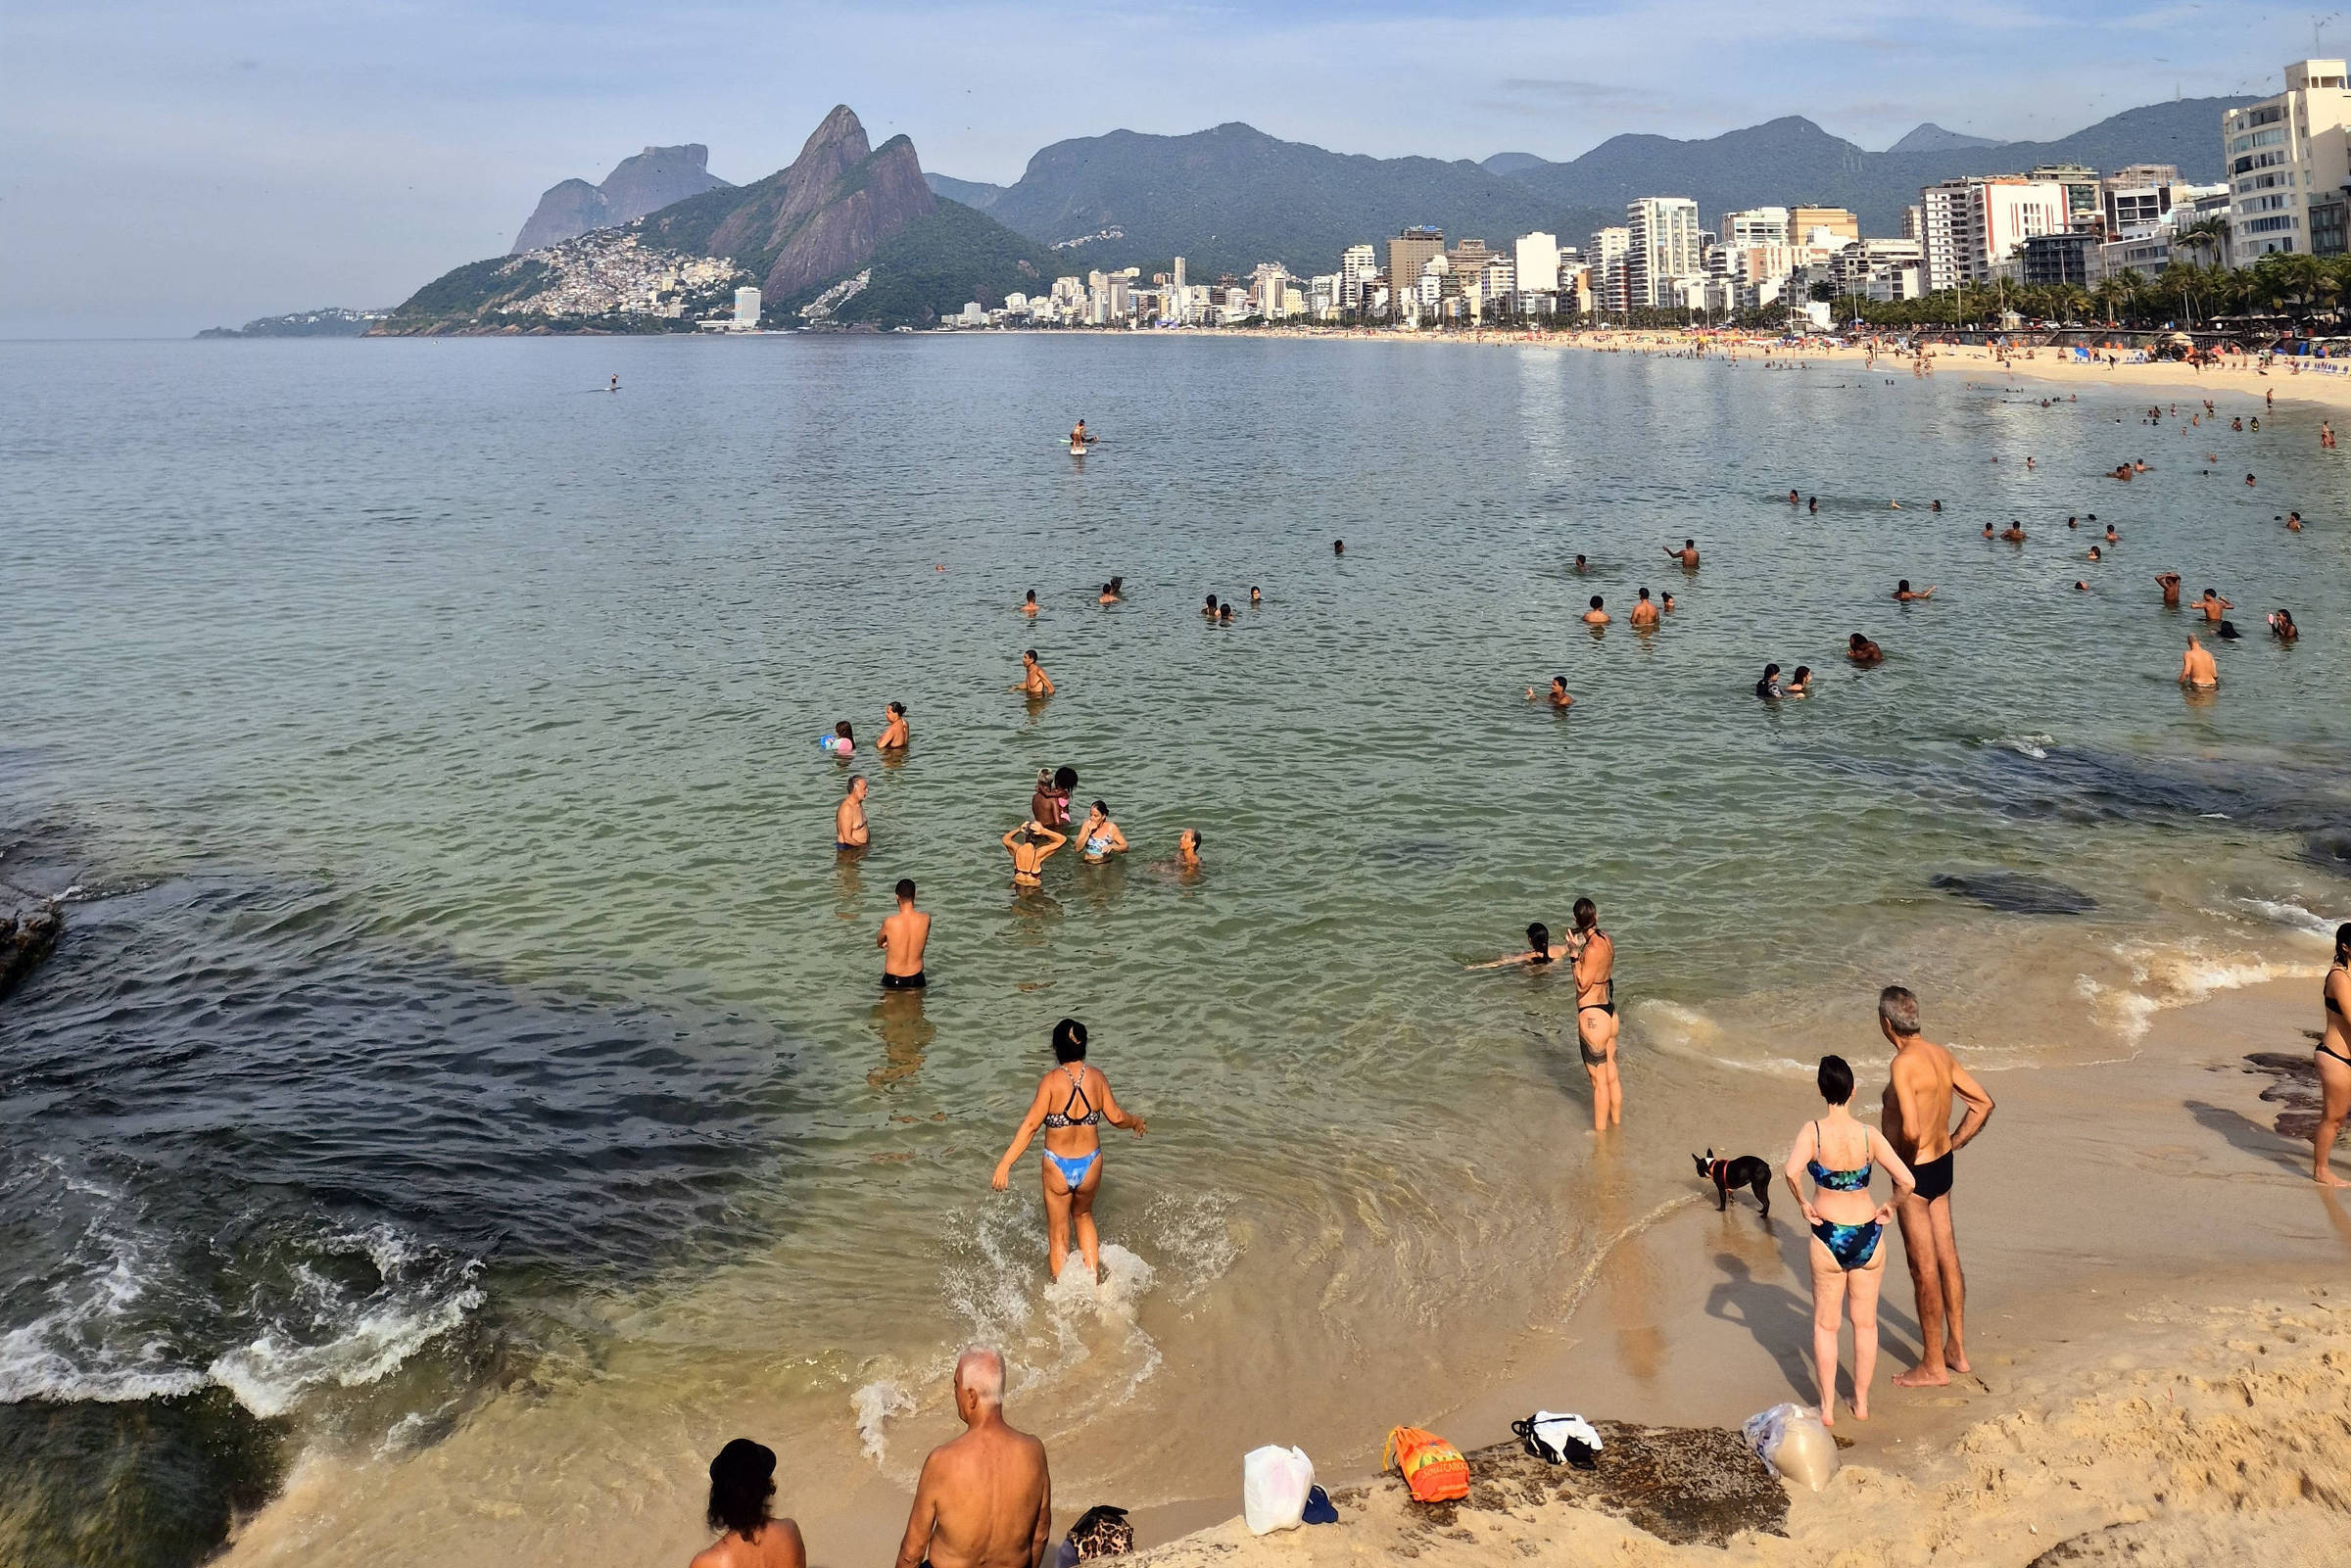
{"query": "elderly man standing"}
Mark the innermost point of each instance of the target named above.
(985, 1499)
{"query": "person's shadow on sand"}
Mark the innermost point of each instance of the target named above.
(2251, 1137)
(1780, 1315)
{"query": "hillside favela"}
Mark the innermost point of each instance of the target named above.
(1289, 845)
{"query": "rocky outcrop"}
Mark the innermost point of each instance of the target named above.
(646, 183)
(823, 217)
(24, 942)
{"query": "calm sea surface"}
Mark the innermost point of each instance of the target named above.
(462, 1012)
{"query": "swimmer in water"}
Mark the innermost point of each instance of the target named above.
(1595, 615)
(1034, 682)
(2014, 533)
(1100, 839)
(2248, 478)
(1580, 566)
(2081, 586)
(1904, 593)
(1338, 547)
(1557, 697)
(1935, 506)
(2293, 522)
(1540, 950)
(2112, 538)
(1669, 603)
(1687, 555)
(1813, 506)
(1800, 685)
(1768, 689)
(1187, 849)
(1031, 843)
(1987, 530)
(842, 743)
(2283, 627)
(849, 831)
(1791, 497)
(1028, 604)
(1257, 595)
(1208, 610)
(2196, 668)
(616, 383)
(1112, 590)
(2169, 581)
(1862, 651)
(2094, 554)
(1224, 612)
(903, 938)
(893, 735)
(1645, 612)
(2212, 604)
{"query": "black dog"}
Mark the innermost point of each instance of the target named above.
(1748, 1170)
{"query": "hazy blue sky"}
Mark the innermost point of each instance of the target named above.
(164, 166)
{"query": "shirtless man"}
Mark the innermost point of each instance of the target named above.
(1687, 555)
(2169, 581)
(848, 819)
(901, 940)
(1028, 604)
(2014, 533)
(1917, 1120)
(986, 1500)
(2212, 604)
(1034, 682)
(1594, 955)
(2196, 668)
(894, 732)
(1645, 613)
(1596, 616)
(1557, 697)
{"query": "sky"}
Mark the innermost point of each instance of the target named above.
(169, 166)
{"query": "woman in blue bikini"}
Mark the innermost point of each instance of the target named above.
(1838, 1154)
(1070, 1102)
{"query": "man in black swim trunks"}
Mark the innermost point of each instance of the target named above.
(1917, 1121)
(901, 940)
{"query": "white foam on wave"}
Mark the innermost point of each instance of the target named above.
(1674, 1028)
(268, 1374)
(2172, 978)
(2293, 917)
(2035, 746)
(875, 1404)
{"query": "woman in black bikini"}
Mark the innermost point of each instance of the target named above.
(1595, 953)
(2334, 1060)
(1072, 1169)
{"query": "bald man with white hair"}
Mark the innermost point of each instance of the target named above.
(985, 1499)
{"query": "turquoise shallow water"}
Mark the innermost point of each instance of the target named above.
(440, 733)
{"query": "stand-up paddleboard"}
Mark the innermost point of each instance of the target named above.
(1076, 449)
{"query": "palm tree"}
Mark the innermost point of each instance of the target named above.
(2206, 236)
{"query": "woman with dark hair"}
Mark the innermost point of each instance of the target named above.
(1070, 1102)
(1100, 839)
(2334, 1060)
(1839, 1153)
(743, 1483)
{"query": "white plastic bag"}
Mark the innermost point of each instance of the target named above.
(1791, 1441)
(1274, 1482)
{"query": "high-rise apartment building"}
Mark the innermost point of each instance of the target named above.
(2281, 153)
(1607, 263)
(1661, 248)
(1538, 258)
(1408, 252)
(2081, 183)
(1757, 225)
(1973, 226)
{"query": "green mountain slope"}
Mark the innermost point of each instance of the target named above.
(1229, 198)
(931, 268)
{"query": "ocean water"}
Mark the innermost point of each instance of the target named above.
(463, 1077)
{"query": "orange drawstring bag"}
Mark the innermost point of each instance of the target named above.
(1432, 1468)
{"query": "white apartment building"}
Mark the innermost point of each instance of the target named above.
(1757, 225)
(1879, 269)
(1538, 261)
(1607, 260)
(2283, 152)
(1359, 265)
(1661, 248)
(1973, 226)
(746, 310)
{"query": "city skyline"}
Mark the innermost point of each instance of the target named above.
(285, 154)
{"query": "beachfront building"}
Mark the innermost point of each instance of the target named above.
(2135, 198)
(2079, 183)
(1537, 257)
(746, 310)
(1359, 271)
(1971, 226)
(1408, 252)
(2059, 259)
(1879, 269)
(2281, 153)
(1660, 250)
(1607, 260)
(1751, 226)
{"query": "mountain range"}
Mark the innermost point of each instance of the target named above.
(1232, 196)
(851, 232)
(645, 184)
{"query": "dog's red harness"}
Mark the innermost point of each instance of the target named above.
(1716, 1172)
